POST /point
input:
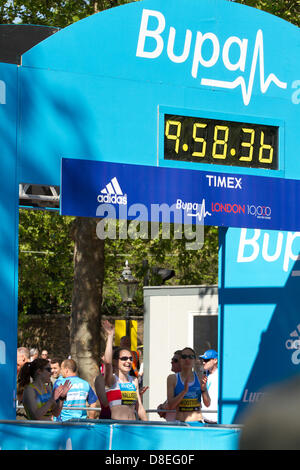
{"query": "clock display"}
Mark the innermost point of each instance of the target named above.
(201, 140)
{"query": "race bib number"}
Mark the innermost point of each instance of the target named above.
(189, 404)
(128, 398)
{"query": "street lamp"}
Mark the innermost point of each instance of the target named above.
(127, 287)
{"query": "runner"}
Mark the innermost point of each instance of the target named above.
(122, 390)
(40, 403)
(185, 388)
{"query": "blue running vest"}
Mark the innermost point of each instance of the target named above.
(192, 399)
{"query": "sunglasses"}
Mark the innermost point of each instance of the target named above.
(174, 359)
(206, 360)
(48, 369)
(126, 358)
(188, 356)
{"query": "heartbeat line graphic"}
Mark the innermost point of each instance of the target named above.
(264, 84)
(202, 213)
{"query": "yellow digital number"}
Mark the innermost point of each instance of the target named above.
(263, 147)
(197, 126)
(176, 136)
(223, 142)
(248, 144)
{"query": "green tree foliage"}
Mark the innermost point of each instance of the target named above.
(46, 268)
(288, 10)
(192, 267)
(45, 263)
(52, 13)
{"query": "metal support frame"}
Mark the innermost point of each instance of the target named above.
(39, 196)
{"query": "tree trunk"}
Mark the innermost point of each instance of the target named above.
(87, 297)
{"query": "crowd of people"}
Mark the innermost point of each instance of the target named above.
(50, 389)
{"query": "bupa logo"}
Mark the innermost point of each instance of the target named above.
(208, 62)
(255, 245)
(199, 208)
(112, 194)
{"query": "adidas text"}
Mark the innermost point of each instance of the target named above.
(112, 199)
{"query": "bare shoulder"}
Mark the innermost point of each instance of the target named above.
(171, 379)
(28, 395)
(28, 391)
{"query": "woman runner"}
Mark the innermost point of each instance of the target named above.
(40, 403)
(185, 388)
(122, 390)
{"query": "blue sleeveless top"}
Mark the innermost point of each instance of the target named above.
(41, 398)
(192, 399)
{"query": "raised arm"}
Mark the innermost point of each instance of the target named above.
(108, 354)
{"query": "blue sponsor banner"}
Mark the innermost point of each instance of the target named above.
(111, 435)
(123, 191)
(258, 315)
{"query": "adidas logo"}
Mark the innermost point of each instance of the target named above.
(294, 341)
(112, 193)
(295, 333)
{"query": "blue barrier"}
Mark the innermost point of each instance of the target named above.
(115, 435)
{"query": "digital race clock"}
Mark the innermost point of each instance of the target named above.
(201, 140)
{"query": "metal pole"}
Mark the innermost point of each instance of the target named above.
(127, 320)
